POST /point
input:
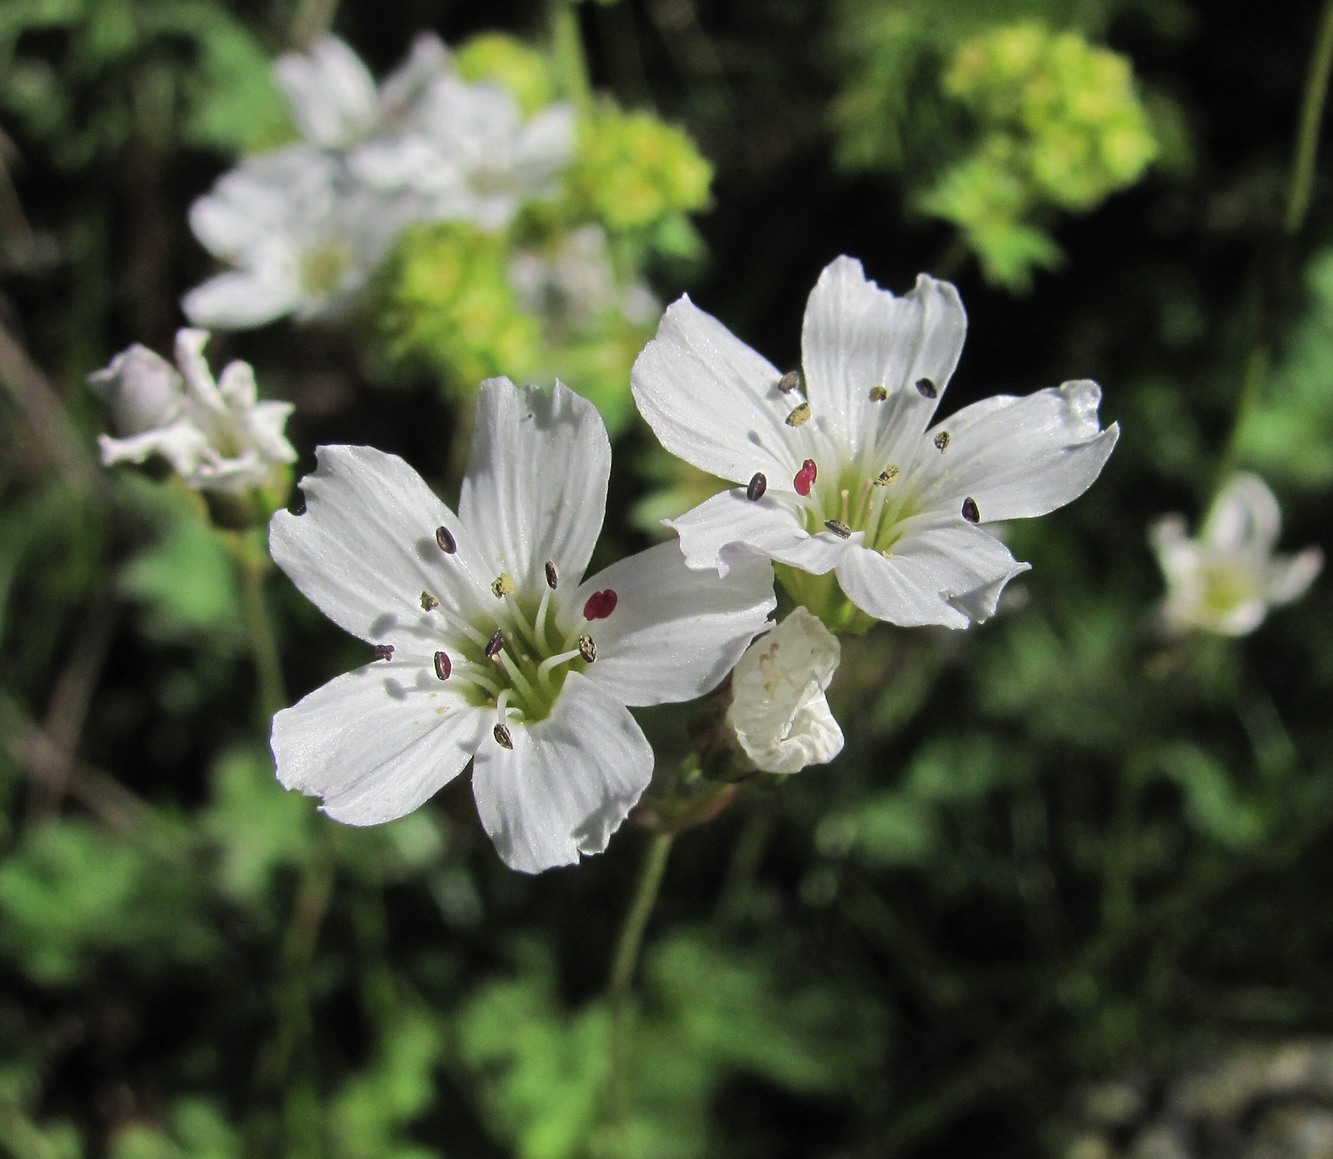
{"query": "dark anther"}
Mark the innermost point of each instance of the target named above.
(383, 651)
(552, 575)
(942, 441)
(879, 393)
(789, 381)
(927, 388)
(495, 645)
(839, 528)
(428, 602)
(970, 512)
(799, 415)
(600, 605)
(805, 477)
(442, 666)
(446, 540)
(587, 649)
(503, 737)
(758, 485)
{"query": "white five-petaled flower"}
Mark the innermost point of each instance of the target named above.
(1227, 578)
(846, 474)
(492, 645)
(778, 710)
(216, 435)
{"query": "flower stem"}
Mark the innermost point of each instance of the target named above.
(622, 966)
(254, 566)
(1312, 116)
(571, 64)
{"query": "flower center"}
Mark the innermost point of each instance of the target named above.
(323, 267)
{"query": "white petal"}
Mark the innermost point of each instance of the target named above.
(1245, 517)
(365, 548)
(544, 146)
(711, 400)
(1290, 575)
(675, 632)
(378, 742)
(1020, 457)
(946, 575)
(428, 60)
(535, 488)
(238, 301)
(856, 336)
(332, 95)
(182, 444)
(568, 782)
(265, 423)
(723, 528)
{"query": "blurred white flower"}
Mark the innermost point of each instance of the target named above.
(302, 237)
(492, 645)
(844, 475)
(217, 436)
(778, 710)
(1227, 578)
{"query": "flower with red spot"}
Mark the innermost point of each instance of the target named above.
(489, 647)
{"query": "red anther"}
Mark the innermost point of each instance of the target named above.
(805, 477)
(600, 605)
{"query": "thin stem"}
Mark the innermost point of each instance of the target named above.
(255, 566)
(624, 962)
(1312, 116)
(571, 65)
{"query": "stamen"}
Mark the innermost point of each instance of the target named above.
(383, 651)
(600, 605)
(495, 645)
(799, 415)
(970, 512)
(879, 393)
(587, 649)
(502, 585)
(443, 537)
(428, 602)
(927, 388)
(846, 495)
(443, 667)
(551, 662)
(758, 485)
(839, 528)
(552, 575)
(789, 381)
(805, 477)
(888, 476)
(942, 441)
(503, 737)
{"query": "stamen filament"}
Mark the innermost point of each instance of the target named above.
(544, 668)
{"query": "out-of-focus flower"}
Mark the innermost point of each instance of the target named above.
(844, 476)
(492, 646)
(216, 435)
(302, 238)
(778, 711)
(1227, 578)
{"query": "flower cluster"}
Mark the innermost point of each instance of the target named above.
(305, 226)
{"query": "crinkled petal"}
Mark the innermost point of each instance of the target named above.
(331, 93)
(722, 529)
(808, 736)
(1290, 575)
(1020, 457)
(675, 632)
(535, 488)
(856, 336)
(568, 782)
(365, 548)
(378, 742)
(948, 575)
(711, 400)
(238, 301)
(181, 443)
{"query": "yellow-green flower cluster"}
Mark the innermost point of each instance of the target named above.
(1061, 127)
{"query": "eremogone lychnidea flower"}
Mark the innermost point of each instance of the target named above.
(491, 644)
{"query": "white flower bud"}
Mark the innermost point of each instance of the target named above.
(143, 391)
(778, 710)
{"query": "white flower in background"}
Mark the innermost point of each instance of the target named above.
(845, 475)
(466, 153)
(302, 237)
(333, 97)
(570, 287)
(778, 710)
(492, 645)
(1227, 578)
(215, 434)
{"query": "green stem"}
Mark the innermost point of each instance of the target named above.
(626, 959)
(571, 65)
(1312, 116)
(254, 566)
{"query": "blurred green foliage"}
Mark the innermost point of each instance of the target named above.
(1058, 846)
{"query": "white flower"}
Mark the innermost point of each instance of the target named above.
(1226, 580)
(216, 435)
(466, 154)
(493, 645)
(303, 237)
(846, 476)
(778, 710)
